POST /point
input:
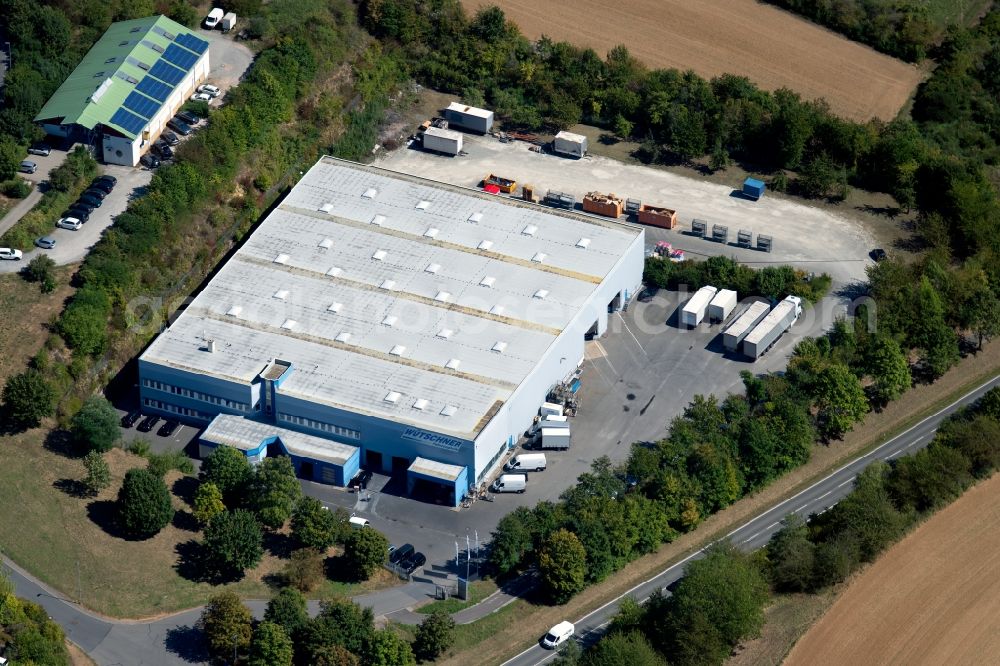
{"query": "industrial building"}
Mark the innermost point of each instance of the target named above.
(130, 83)
(416, 327)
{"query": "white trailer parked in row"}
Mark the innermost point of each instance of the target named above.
(555, 438)
(722, 305)
(733, 336)
(694, 310)
(779, 320)
(568, 143)
(448, 142)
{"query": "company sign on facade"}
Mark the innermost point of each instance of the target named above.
(432, 438)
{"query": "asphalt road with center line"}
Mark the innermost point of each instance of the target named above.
(755, 534)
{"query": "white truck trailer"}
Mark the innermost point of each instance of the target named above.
(722, 305)
(228, 21)
(555, 438)
(568, 143)
(772, 327)
(694, 310)
(468, 117)
(447, 142)
(733, 336)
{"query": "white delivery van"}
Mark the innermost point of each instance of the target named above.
(551, 409)
(510, 483)
(527, 462)
(213, 18)
(358, 523)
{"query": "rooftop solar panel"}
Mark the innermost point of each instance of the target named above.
(141, 105)
(167, 72)
(178, 56)
(193, 43)
(155, 89)
(128, 121)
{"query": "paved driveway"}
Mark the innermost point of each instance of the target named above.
(45, 165)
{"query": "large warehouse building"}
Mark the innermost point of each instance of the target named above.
(127, 87)
(412, 326)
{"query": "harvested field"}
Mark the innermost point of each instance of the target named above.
(934, 598)
(772, 47)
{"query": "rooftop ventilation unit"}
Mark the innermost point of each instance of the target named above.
(370, 193)
(452, 364)
(397, 350)
(485, 245)
(431, 232)
(583, 243)
(432, 268)
(393, 396)
(326, 243)
(541, 293)
(449, 410)
(281, 294)
(499, 347)
(335, 307)
(442, 297)
(388, 285)
(390, 320)
(379, 255)
(529, 230)
(445, 333)
(420, 404)
(281, 259)
(476, 218)
(487, 281)
(423, 205)
(539, 257)
(378, 220)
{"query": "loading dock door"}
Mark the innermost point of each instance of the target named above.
(437, 482)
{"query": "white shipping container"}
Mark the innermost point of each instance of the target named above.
(469, 117)
(444, 141)
(722, 305)
(567, 143)
(694, 310)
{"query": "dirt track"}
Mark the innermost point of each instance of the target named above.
(772, 47)
(932, 599)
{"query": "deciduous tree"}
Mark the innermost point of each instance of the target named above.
(886, 363)
(304, 570)
(435, 635)
(144, 506)
(28, 398)
(840, 400)
(314, 526)
(274, 490)
(562, 563)
(207, 502)
(233, 542)
(791, 555)
(229, 470)
(226, 624)
(364, 552)
(270, 646)
(95, 426)
(288, 609)
(98, 473)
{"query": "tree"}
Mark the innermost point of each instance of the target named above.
(144, 506)
(95, 426)
(226, 624)
(304, 570)
(98, 473)
(618, 649)
(365, 551)
(385, 648)
(233, 542)
(40, 269)
(929, 478)
(229, 469)
(340, 622)
(840, 400)
(314, 526)
(977, 439)
(270, 646)
(28, 398)
(886, 363)
(792, 555)
(562, 563)
(333, 655)
(183, 13)
(835, 559)
(274, 490)
(207, 502)
(288, 609)
(511, 541)
(868, 513)
(434, 635)
(10, 158)
(930, 332)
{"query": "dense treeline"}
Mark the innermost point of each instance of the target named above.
(901, 28)
(27, 632)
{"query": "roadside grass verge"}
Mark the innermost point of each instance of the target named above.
(478, 590)
(787, 618)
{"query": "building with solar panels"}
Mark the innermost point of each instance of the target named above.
(130, 83)
(414, 327)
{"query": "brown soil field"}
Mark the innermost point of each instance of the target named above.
(772, 47)
(934, 598)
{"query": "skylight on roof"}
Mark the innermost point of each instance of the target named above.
(487, 281)
(432, 268)
(379, 255)
(476, 218)
(335, 307)
(388, 285)
(343, 337)
(541, 293)
(370, 193)
(423, 205)
(111, 59)
(485, 245)
(281, 294)
(529, 230)
(496, 310)
(449, 410)
(326, 243)
(334, 271)
(452, 364)
(289, 324)
(431, 232)
(583, 243)
(442, 296)
(327, 208)
(539, 257)
(499, 346)
(397, 350)
(234, 311)
(393, 396)
(445, 333)
(420, 404)
(378, 220)
(281, 258)
(390, 320)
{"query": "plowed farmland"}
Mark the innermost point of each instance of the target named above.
(772, 47)
(934, 598)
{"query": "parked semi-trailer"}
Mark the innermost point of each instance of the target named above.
(448, 142)
(722, 305)
(733, 336)
(694, 310)
(772, 327)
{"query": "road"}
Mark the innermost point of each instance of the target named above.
(755, 534)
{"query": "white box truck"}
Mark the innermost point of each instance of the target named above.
(733, 336)
(213, 18)
(567, 143)
(448, 142)
(722, 305)
(771, 327)
(555, 438)
(510, 483)
(526, 462)
(694, 310)
(549, 422)
(228, 22)
(551, 409)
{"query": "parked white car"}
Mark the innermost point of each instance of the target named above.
(201, 97)
(558, 635)
(10, 253)
(70, 223)
(209, 89)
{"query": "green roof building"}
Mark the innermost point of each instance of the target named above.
(127, 87)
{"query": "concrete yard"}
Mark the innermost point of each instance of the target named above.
(807, 237)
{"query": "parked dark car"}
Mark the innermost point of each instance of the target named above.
(179, 126)
(79, 211)
(165, 152)
(171, 138)
(129, 419)
(878, 254)
(413, 562)
(188, 117)
(168, 428)
(401, 553)
(96, 193)
(110, 179)
(647, 294)
(103, 185)
(148, 423)
(361, 479)
(90, 201)
(149, 161)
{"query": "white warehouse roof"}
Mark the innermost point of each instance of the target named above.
(371, 283)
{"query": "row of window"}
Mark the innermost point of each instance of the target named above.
(320, 425)
(493, 461)
(196, 395)
(183, 411)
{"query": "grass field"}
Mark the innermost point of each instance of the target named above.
(933, 598)
(772, 47)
